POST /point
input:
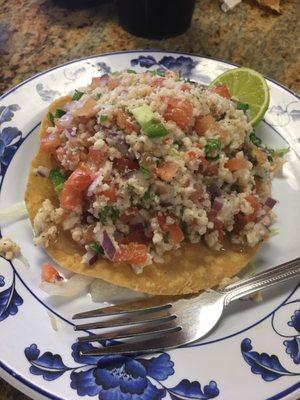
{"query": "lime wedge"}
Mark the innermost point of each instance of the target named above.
(247, 86)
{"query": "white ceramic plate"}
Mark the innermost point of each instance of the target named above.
(254, 353)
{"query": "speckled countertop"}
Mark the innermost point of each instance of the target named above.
(36, 35)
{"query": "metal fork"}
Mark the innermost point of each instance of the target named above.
(161, 323)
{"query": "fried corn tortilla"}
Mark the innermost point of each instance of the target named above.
(189, 269)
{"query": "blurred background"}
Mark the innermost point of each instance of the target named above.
(38, 34)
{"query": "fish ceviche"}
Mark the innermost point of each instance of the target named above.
(146, 161)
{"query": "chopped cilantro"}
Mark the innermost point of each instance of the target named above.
(282, 152)
(103, 215)
(103, 118)
(212, 149)
(255, 140)
(144, 170)
(242, 106)
(161, 72)
(114, 214)
(59, 188)
(149, 195)
(56, 177)
(77, 95)
(51, 118)
(166, 238)
(131, 71)
(96, 248)
(59, 113)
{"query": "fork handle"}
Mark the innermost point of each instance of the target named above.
(263, 280)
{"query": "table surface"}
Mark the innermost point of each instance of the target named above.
(248, 36)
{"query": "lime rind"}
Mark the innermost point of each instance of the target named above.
(247, 86)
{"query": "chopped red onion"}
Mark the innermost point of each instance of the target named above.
(129, 174)
(214, 191)
(70, 133)
(217, 205)
(108, 246)
(123, 148)
(166, 204)
(90, 257)
(270, 203)
(136, 227)
(66, 120)
(104, 78)
(43, 171)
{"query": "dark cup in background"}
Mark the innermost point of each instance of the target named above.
(155, 19)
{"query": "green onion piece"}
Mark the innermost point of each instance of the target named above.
(103, 118)
(114, 214)
(131, 71)
(59, 113)
(255, 140)
(59, 188)
(144, 170)
(161, 72)
(77, 95)
(51, 118)
(56, 177)
(148, 194)
(155, 130)
(242, 106)
(96, 248)
(103, 215)
(212, 149)
(282, 152)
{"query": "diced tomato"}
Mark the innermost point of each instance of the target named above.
(89, 234)
(69, 158)
(124, 164)
(179, 111)
(221, 90)
(207, 168)
(167, 170)
(111, 194)
(97, 157)
(96, 81)
(133, 253)
(50, 142)
(191, 154)
(136, 237)
(197, 194)
(203, 124)
(112, 84)
(185, 87)
(234, 164)
(80, 179)
(75, 185)
(157, 82)
(50, 274)
(173, 230)
(129, 214)
(212, 217)
(87, 109)
(124, 123)
(255, 204)
(241, 219)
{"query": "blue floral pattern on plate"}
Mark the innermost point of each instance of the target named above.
(270, 367)
(117, 377)
(10, 137)
(10, 300)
